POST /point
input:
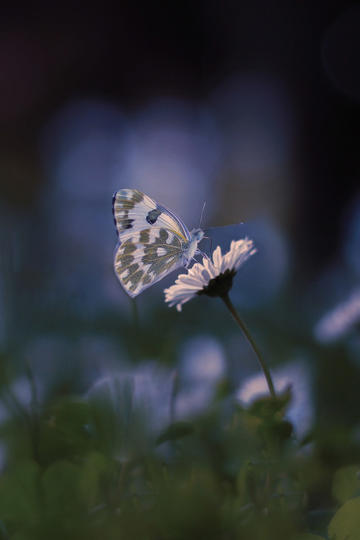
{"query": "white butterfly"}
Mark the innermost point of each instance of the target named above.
(152, 241)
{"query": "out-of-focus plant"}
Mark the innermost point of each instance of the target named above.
(154, 451)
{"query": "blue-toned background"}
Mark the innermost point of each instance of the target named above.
(252, 107)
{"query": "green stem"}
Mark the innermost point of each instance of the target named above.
(248, 336)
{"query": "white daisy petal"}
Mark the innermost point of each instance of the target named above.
(198, 277)
(206, 276)
(189, 281)
(217, 257)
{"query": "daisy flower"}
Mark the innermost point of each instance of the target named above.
(212, 277)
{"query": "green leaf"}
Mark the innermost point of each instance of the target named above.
(92, 471)
(241, 483)
(346, 483)
(345, 525)
(19, 501)
(223, 389)
(20, 535)
(60, 484)
(268, 407)
(65, 432)
(175, 431)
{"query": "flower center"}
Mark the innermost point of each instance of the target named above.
(220, 285)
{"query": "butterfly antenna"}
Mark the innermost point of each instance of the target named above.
(203, 254)
(202, 214)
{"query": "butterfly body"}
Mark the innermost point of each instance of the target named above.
(190, 250)
(153, 241)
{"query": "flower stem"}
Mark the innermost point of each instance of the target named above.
(248, 336)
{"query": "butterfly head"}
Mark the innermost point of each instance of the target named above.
(197, 235)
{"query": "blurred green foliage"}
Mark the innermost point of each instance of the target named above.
(245, 477)
(92, 466)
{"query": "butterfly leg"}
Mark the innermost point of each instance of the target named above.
(203, 254)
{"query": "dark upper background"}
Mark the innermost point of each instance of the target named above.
(57, 60)
(130, 53)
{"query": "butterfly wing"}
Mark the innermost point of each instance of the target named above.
(146, 257)
(134, 211)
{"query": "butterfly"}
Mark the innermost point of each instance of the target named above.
(152, 241)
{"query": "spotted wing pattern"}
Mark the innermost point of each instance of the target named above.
(146, 257)
(134, 211)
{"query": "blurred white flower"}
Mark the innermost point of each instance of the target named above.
(296, 375)
(202, 366)
(202, 359)
(337, 322)
(81, 148)
(132, 407)
(172, 153)
(193, 401)
(212, 277)
(16, 399)
(22, 391)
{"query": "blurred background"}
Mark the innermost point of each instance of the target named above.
(252, 107)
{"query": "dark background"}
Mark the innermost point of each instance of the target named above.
(253, 107)
(282, 73)
(133, 53)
